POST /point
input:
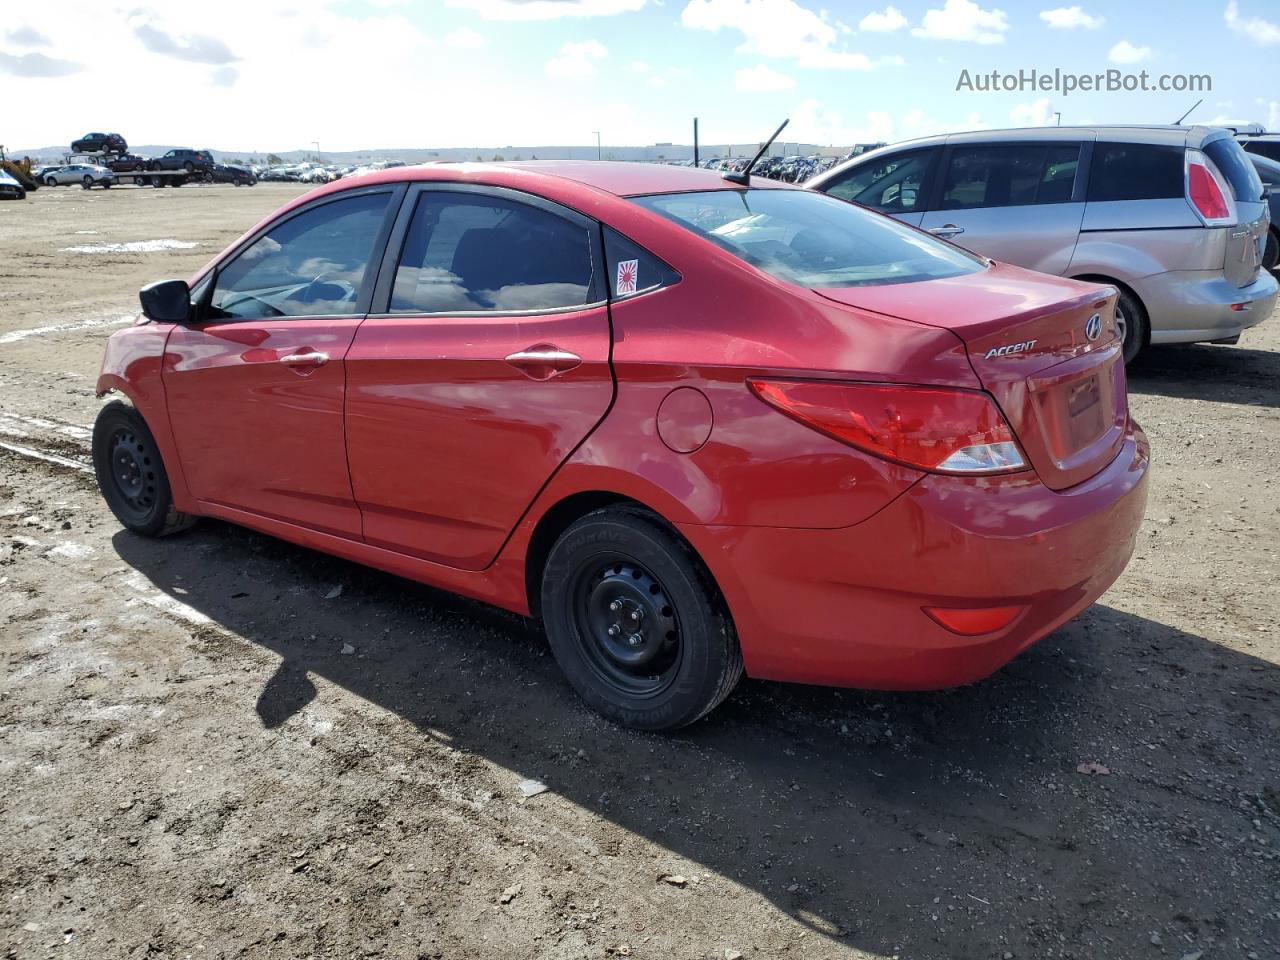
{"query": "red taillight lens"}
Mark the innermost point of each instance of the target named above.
(1206, 191)
(970, 622)
(929, 428)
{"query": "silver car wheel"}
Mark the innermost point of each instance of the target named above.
(1122, 324)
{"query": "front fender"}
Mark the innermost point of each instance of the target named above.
(132, 366)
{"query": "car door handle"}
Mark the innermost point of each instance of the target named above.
(946, 230)
(315, 359)
(543, 361)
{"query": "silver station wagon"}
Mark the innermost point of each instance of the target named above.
(1175, 218)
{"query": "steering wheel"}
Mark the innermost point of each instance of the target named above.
(327, 288)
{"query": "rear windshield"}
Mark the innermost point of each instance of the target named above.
(810, 239)
(1229, 157)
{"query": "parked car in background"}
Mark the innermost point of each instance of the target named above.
(1264, 145)
(100, 143)
(1173, 217)
(192, 161)
(86, 174)
(127, 163)
(223, 173)
(10, 188)
(708, 428)
(1269, 173)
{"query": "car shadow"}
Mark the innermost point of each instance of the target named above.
(951, 824)
(1224, 374)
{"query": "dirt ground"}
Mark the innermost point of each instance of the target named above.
(190, 766)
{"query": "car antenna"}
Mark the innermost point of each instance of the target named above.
(1178, 122)
(743, 176)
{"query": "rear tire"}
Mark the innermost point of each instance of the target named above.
(636, 622)
(131, 473)
(1132, 318)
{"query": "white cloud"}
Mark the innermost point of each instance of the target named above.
(1125, 52)
(464, 38)
(776, 28)
(886, 21)
(546, 9)
(1068, 18)
(577, 59)
(1037, 113)
(762, 79)
(813, 123)
(1262, 32)
(963, 20)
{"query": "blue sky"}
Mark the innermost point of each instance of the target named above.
(280, 74)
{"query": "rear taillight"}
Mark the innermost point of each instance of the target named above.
(928, 428)
(1207, 192)
(973, 621)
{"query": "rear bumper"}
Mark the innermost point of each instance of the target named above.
(1189, 306)
(844, 607)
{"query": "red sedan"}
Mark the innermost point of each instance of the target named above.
(696, 427)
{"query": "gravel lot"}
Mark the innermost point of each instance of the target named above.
(191, 766)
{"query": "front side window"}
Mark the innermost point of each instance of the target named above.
(312, 265)
(892, 184)
(467, 252)
(810, 239)
(1008, 175)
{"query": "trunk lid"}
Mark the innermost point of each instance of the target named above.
(1028, 339)
(1246, 242)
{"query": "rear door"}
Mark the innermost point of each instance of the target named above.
(1018, 202)
(485, 363)
(256, 387)
(896, 183)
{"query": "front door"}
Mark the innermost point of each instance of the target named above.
(486, 364)
(256, 386)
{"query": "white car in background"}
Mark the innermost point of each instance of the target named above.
(10, 188)
(86, 174)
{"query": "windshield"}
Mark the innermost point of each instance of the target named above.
(810, 239)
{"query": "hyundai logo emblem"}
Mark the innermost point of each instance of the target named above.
(1093, 327)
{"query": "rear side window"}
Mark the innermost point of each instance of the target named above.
(1236, 167)
(1264, 148)
(473, 252)
(1136, 171)
(1009, 175)
(890, 184)
(633, 269)
(312, 265)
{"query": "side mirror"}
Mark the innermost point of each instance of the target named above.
(166, 301)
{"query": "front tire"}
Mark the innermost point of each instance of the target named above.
(131, 474)
(636, 623)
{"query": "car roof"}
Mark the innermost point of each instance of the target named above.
(620, 178)
(1148, 133)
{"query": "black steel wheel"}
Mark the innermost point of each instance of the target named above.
(636, 622)
(131, 473)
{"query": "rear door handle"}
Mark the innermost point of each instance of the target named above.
(946, 230)
(543, 361)
(314, 359)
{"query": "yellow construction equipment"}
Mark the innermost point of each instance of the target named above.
(20, 170)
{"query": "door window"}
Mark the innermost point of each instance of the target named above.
(467, 252)
(312, 265)
(892, 184)
(1008, 175)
